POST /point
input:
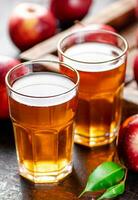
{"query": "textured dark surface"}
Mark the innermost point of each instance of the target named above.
(13, 187)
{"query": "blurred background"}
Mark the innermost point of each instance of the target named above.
(6, 8)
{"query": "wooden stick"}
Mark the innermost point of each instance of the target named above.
(117, 14)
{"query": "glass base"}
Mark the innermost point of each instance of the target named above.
(94, 141)
(52, 177)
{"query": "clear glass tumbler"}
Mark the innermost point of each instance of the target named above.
(100, 58)
(43, 102)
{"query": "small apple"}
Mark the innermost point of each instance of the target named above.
(128, 143)
(6, 63)
(135, 68)
(29, 24)
(70, 10)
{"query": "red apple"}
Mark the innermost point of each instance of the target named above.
(135, 68)
(30, 24)
(70, 10)
(101, 37)
(100, 27)
(128, 143)
(6, 63)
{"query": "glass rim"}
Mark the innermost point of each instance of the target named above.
(84, 30)
(41, 61)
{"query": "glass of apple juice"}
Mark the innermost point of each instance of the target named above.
(100, 58)
(42, 103)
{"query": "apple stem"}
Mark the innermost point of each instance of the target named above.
(77, 22)
(31, 10)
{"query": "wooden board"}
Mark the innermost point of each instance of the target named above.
(118, 14)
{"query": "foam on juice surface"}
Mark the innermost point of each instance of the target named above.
(43, 85)
(92, 53)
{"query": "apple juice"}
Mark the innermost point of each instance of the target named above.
(43, 126)
(100, 91)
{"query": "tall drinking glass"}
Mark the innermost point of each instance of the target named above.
(100, 58)
(42, 103)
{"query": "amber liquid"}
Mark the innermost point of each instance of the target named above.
(43, 127)
(100, 92)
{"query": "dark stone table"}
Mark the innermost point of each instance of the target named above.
(14, 187)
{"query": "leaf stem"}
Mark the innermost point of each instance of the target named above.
(81, 193)
(124, 180)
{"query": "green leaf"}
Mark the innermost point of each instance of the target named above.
(113, 191)
(104, 176)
